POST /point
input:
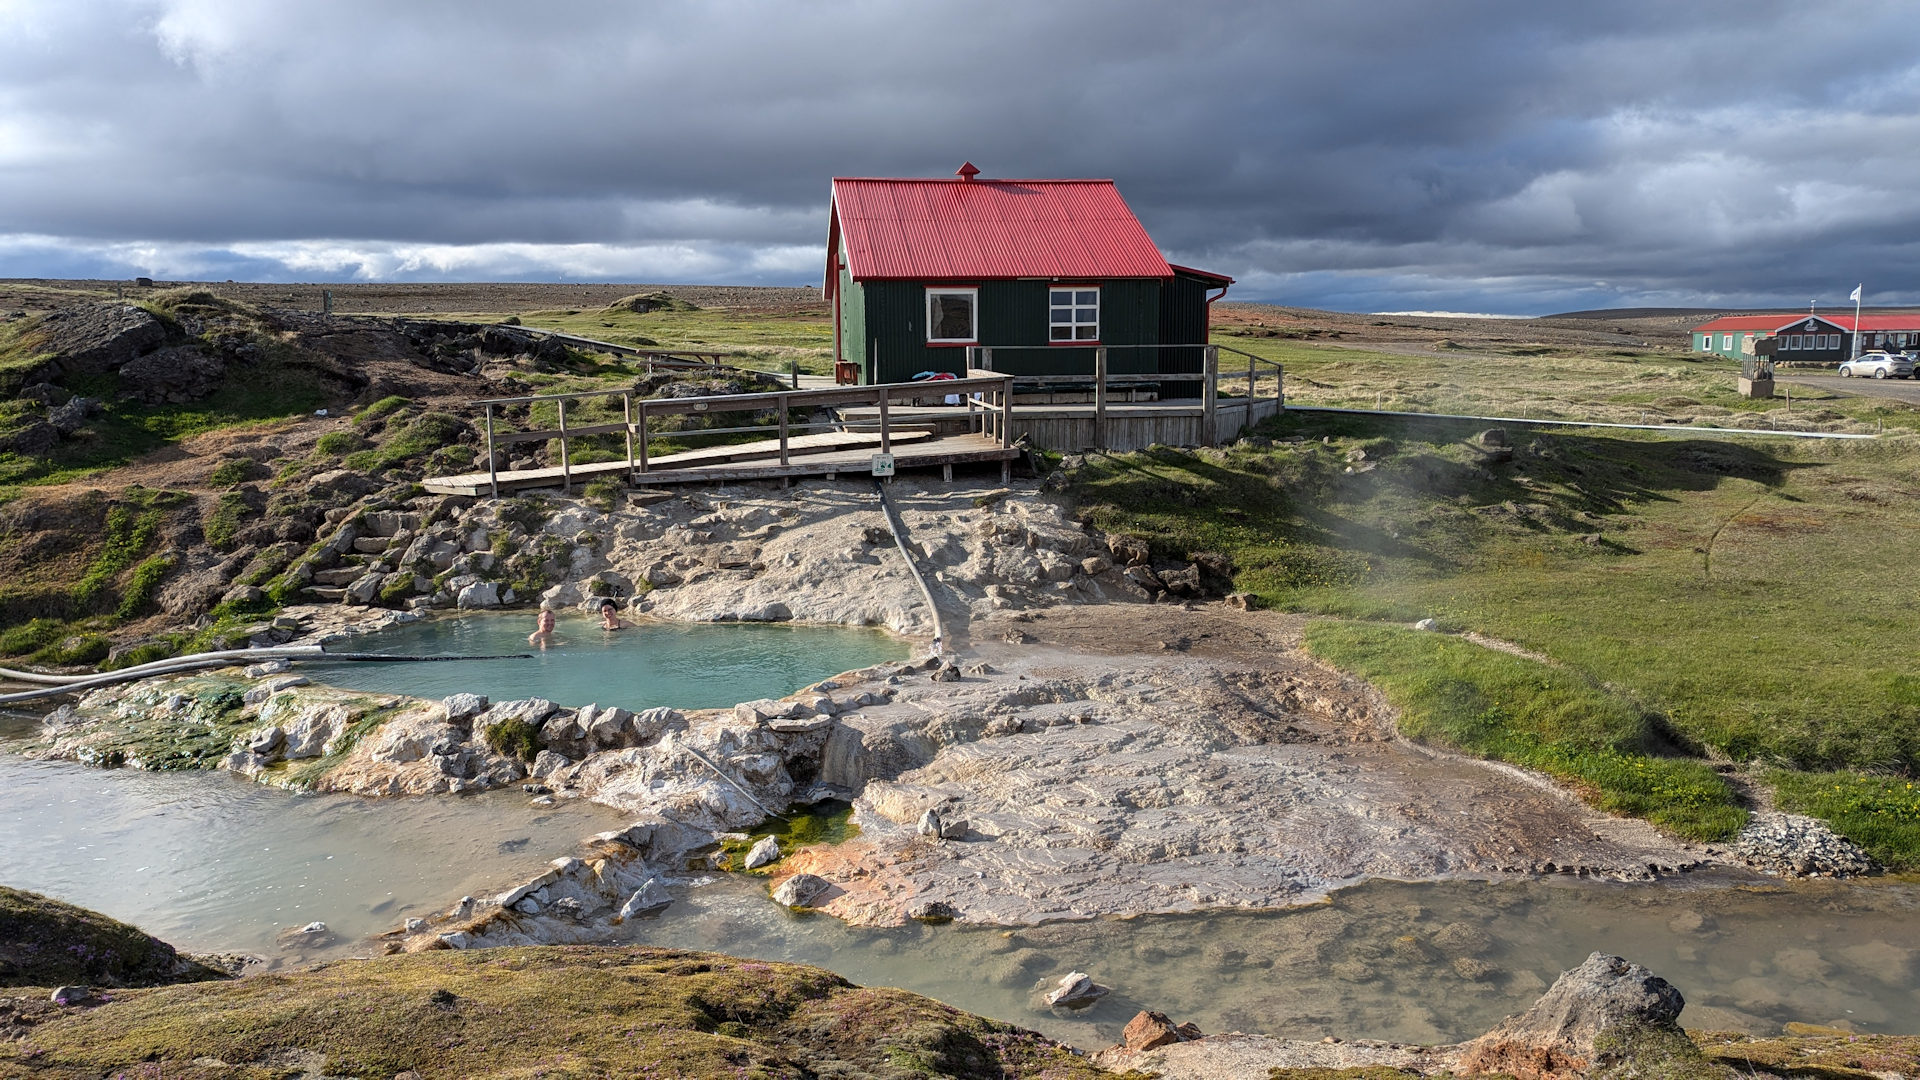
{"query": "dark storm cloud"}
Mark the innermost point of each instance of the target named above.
(1490, 156)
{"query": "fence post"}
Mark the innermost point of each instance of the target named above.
(1210, 393)
(886, 438)
(1006, 412)
(566, 464)
(626, 409)
(493, 471)
(1100, 398)
(1250, 394)
(643, 437)
(783, 428)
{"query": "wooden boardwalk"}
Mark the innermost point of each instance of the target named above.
(808, 447)
(851, 453)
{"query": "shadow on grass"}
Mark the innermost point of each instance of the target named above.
(1341, 496)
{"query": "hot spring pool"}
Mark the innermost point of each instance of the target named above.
(682, 665)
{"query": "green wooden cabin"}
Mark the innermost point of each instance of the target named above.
(922, 272)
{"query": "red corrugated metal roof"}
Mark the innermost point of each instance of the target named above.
(1222, 279)
(1905, 320)
(1909, 321)
(976, 230)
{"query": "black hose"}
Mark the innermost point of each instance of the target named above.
(415, 659)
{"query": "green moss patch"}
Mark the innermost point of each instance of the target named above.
(555, 1012)
(44, 942)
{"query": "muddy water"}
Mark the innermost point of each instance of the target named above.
(1412, 962)
(212, 863)
(682, 665)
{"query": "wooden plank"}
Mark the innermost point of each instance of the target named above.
(931, 452)
(802, 446)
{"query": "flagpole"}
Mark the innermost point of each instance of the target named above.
(1854, 353)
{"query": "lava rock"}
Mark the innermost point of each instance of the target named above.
(173, 376)
(1557, 1035)
(1076, 990)
(649, 897)
(801, 890)
(762, 853)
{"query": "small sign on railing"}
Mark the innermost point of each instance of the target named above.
(883, 464)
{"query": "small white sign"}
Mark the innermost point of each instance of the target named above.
(883, 464)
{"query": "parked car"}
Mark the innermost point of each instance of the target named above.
(1878, 365)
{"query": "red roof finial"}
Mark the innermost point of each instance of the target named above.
(967, 171)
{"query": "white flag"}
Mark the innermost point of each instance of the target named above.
(1856, 292)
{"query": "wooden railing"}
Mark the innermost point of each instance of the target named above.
(987, 397)
(1209, 376)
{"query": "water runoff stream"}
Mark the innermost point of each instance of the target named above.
(213, 863)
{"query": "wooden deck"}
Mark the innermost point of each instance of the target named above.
(825, 455)
(1116, 426)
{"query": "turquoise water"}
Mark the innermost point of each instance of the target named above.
(683, 665)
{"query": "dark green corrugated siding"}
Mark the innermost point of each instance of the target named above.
(1012, 314)
(853, 321)
(1183, 321)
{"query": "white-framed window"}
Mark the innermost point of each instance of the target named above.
(1073, 314)
(1793, 341)
(953, 316)
(1726, 341)
(1706, 342)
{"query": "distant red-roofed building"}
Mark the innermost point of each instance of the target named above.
(1041, 271)
(1824, 339)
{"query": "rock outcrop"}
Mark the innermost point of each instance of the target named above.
(1563, 1034)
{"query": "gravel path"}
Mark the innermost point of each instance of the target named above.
(1907, 390)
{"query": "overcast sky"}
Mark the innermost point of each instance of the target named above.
(1508, 157)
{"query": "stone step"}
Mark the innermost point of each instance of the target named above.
(372, 545)
(325, 592)
(345, 575)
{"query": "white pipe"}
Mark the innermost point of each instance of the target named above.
(109, 679)
(282, 652)
(898, 528)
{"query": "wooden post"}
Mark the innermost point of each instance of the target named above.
(886, 438)
(782, 403)
(643, 437)
(626, 408)
(1100, 398)
(493, 472)
(1250, 394)
(1006, 412)
(986, 358)
(566, 464)
(1209, 393)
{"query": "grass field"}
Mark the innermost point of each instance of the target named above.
(766, 341)
(1562, 382)
(1746, 602)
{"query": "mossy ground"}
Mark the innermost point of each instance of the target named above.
(44, 942)
(829, 822)
(552, 1012)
